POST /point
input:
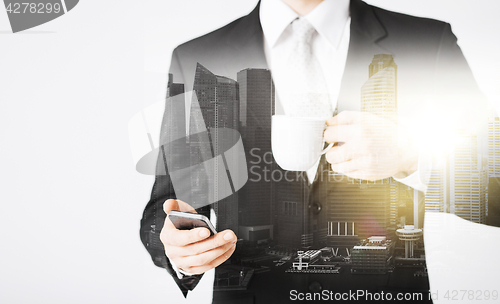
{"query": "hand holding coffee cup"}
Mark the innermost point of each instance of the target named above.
(373, 147)
(297, 142)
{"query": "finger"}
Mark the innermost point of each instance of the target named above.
(221, 259)
(339, 154)
(209, 244)
(185, 207)
(222, 238)
(360, 174)
(172, 236)
(346, 167)
(177, 205)
(215, 241)
(342, 133)
(205, 257)
(170, 205)
(201, 245)
(344, 118)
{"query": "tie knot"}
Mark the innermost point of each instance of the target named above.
(302, 30)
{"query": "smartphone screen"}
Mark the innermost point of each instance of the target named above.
(187, 221)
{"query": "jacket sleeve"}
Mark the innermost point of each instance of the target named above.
(455, 85)
(153, 216)
(464, 109)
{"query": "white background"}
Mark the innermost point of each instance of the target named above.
(70, 199)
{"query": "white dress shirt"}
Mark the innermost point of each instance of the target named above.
(330, 45)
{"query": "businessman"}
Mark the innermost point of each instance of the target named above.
(318, 53)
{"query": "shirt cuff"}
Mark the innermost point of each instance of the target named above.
(179, 272)
(419, 179)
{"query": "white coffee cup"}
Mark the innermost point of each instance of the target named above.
(297, 142)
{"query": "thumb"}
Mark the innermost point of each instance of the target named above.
(170, 205)
(344, 118)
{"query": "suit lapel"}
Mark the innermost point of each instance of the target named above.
(367, 38)
(247, 41)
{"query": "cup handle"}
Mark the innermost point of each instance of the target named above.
(327, 148)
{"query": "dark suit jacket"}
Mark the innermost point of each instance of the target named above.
(428, 57)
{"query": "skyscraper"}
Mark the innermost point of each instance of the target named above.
(174, 89)
(468, 179)
(379, 92)
(494, 147)
(174, 116)
(402, 205)
(493, 207)
(358, 209)
(379, 97)
(437, 194)
(218, 99)
(292, 208)
(256, 95)
(459, 184)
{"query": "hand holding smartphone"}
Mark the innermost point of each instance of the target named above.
(188, 245)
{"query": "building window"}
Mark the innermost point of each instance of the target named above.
(290, 208)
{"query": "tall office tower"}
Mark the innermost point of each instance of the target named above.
(493, 210)
(218, 100)
(358, 209)
(174, 89)
(401, 205)
(379, 92)
(436, 195)
(494, 147)
(379, 97)
(493, 207)
(175, 118)
(257, 98)
(468, 179)
(291, 213)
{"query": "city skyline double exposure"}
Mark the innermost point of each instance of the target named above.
(334, 222)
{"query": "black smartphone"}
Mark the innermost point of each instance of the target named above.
(187, 220)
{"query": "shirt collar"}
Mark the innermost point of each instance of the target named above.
(328, 18)
(275, 16)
